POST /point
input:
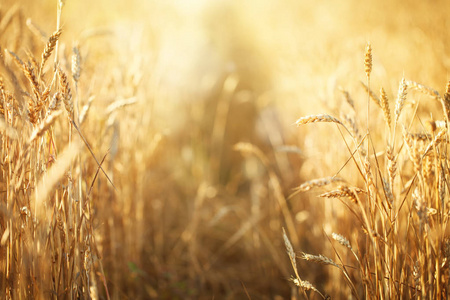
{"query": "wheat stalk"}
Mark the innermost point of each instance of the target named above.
(66, 93)
(317, 118)
(401, 99)
(44, 126)
(372, 95)
(446, 103)
(303, 284)
(31, 76)
(368, 60)
(385, 107)
(319, 259)
(348, 98)
(422, 88)
(16, 58)
(343, 191)
(76, 67)
(317, 183)
(49, 47)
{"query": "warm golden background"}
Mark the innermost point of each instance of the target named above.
(192, 217)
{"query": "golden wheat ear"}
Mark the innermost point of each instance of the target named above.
(368, 60)
(48, 50)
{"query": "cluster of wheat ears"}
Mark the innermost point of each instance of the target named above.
(47, 240)
(402, 249)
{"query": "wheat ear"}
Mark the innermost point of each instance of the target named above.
(49, 47)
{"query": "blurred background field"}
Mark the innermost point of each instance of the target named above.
(192, 217)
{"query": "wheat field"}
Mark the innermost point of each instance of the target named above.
(166, 149)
